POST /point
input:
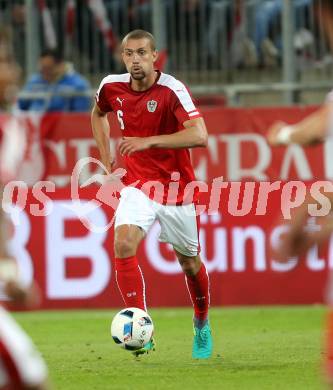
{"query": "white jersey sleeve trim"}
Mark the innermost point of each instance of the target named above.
(113, 78)
(180, 91)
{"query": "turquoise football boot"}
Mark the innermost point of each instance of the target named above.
(202, 342)
(150, 346)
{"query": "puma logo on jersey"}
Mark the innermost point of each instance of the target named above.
(120, 101)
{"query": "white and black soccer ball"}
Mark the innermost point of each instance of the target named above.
(132, 328)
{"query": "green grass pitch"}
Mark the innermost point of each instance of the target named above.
(254, 348)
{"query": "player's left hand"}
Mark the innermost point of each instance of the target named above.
(129, 145)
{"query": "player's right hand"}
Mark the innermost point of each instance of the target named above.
(102, 178)
(272, 133)
(110, 166)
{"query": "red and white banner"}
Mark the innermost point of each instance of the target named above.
(70, 17)
(49, 31)
(99, 11)
(237, 148)
(73, 265)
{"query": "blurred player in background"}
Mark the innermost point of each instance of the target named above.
(311, 130)
(21, 366)
(159, 123)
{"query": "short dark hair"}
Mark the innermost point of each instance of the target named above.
(54, 53)
(140, 34)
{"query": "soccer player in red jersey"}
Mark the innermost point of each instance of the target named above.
(159, 123)
(313, 129)
(21, 366)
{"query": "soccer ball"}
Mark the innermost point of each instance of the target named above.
(132, 328)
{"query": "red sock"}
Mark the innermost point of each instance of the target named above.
(130, 282)
(198, 287)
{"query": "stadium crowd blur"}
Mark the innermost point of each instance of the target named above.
(201, 35)
(63, 88)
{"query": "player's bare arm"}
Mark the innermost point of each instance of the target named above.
(194, 135)
(295, 240)
(299, 239)
(325, 223)
(101, 131)
(310, 130)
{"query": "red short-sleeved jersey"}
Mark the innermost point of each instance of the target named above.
(162, 109)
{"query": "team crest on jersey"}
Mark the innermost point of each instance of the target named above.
(151, 105)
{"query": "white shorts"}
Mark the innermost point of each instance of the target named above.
(179, 226)
(20, 362)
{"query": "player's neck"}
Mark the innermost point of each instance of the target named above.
(144, 84)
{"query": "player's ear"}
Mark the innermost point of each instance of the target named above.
(155, 55)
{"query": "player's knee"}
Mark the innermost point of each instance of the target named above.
(190, 266)
(124, 248)
(189, 269)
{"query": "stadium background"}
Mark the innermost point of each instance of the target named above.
(243, 79)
